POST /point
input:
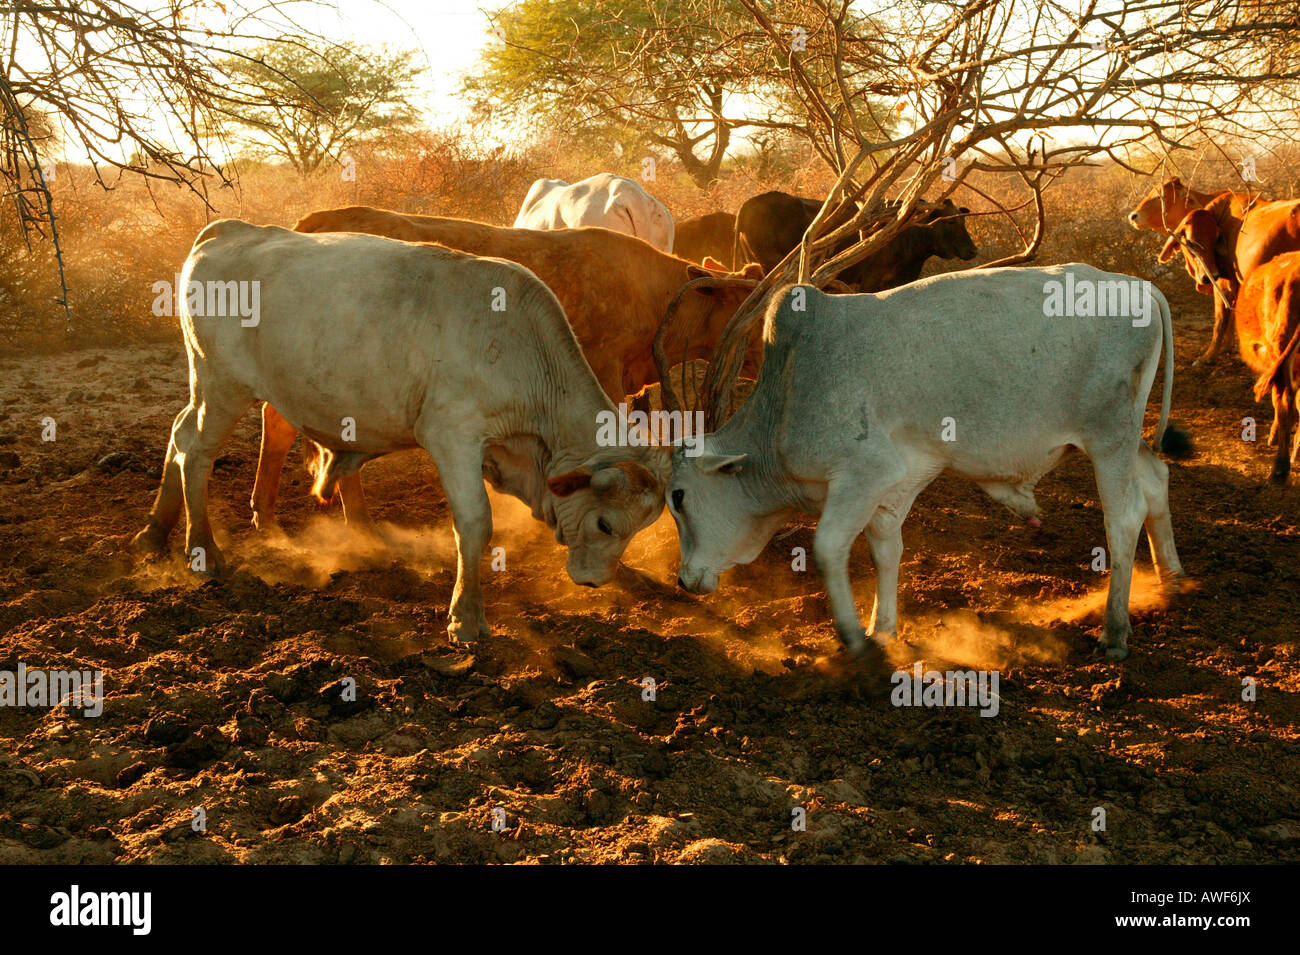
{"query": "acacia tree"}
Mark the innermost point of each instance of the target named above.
(1011, 87)
(657, 68)
(307, 105)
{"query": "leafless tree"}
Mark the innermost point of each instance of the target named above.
(134, 85)
(1018, 88)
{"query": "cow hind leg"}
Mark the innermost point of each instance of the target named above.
(197, 444)
(1123, 501)
(461, 473)
(1153, 476)
(277, 438)
(1284, 417)
(353, 498)
(167, 503)
(885, 537)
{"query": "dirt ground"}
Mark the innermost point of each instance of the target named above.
(227, 695)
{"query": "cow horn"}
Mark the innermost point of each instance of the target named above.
(671, 400)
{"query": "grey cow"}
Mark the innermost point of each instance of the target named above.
(864, 399)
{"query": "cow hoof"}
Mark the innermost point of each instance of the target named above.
(1279, 476)
(267, 526)
(211, 568)
(1116, 650)
(465, 631)
(853, 638)
(883, 638)
(151, 541)
(868, 655)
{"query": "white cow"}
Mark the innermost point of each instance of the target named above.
(604, 200)
(863, 400)
(369, 345)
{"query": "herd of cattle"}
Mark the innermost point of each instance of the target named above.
(1245, 251)
(498, 350)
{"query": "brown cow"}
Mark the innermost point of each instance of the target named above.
(1166, 205)
(705, 236)
(1268, 332)
(1237, 236)
(1237, 231)
(615, 290)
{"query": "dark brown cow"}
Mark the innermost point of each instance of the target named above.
(770, 225)
(1268, 332)
(708, 236)
(615, 290)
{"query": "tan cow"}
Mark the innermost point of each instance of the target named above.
(1167, 204)
(615, 290)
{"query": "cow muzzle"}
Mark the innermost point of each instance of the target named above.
(697, 581)
(591, 576)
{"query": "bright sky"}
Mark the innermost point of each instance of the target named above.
(448, 33)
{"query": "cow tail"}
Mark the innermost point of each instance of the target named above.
(1169, 439)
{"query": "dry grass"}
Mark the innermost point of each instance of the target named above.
(119, 241)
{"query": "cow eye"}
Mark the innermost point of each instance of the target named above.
(604, 527)
(678, 496)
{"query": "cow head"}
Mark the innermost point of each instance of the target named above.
(704, 312)
(598, 507)
(1195, 236)
(719, 525)
(948, 236)
(1163, 207)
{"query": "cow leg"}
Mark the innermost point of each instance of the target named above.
(167, 503)
(277, 438)
(851, 502)
(353, 498)
(461, 473)
(1122, 500)
(1153, 476)
(1284, 414)
(198, 439)
(1222, 319)
(885, 537)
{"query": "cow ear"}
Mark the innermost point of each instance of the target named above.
(962, 210)
(752, 271)
(713, 264)
(723, 463)
(1203, 227)
(562, 485)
